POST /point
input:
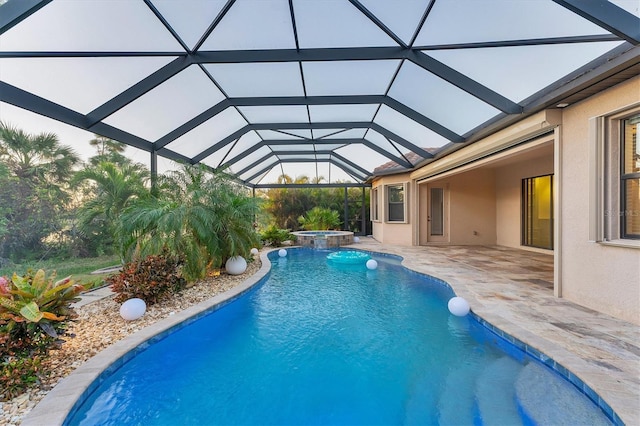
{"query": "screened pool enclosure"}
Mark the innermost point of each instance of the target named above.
(329, 89)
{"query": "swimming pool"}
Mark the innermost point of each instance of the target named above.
(320, 343)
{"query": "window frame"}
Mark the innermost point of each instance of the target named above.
(403, 186)
(624, 206)
(605, 178)
(375, 204)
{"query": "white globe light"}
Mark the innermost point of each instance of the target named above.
(372, 264)
(356, 239)
(282, 252)
(254, 251)
(133, 309)
(458, 306)
(235, 265)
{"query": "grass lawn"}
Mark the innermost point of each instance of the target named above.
(79, 268)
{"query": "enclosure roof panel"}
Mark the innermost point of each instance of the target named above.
(332, 90)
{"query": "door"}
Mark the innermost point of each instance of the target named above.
(537, 212)
(434, 227)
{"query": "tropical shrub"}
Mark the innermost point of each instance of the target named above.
(197, 214)
(17, 375)
(274, 236)
(34, 310)
(33, 306)
(319, 218)
(151, 279)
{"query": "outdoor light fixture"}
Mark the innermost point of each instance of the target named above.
(133, 309)
(458, 306)
(235, 265)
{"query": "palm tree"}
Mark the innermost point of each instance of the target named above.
(35, 195)
(39, 158)
(108, 150)
(284, 178)
(114, 188)
(201, 216)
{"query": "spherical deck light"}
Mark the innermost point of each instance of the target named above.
(133, 309)
(235, 265)
(254, 251)
(356, 239)
(372, 264)
(458, 306)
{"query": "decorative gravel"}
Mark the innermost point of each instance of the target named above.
(99, 325)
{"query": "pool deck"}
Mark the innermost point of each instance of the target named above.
(511, 289)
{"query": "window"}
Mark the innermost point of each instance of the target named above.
(614, 158)
(537, 212)
(630, 178)
(374, 205)
(395, 203)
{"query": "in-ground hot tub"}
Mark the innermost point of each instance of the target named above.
(323, 239)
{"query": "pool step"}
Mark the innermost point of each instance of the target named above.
(456, 405)
(495, 393)
(548, 401)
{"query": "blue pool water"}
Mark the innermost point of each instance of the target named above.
(320, 343)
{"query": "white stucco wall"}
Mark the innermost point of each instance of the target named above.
(602, 277)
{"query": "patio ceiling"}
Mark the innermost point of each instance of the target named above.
(324, 88)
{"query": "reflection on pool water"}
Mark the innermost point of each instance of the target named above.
(325, 343)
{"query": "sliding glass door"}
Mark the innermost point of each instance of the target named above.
(537, 212)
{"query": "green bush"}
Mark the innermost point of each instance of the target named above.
(33, 305)
(319, 218)
(204, 217)
(274, 236)
(34, 310)
(151, 279)
(17, 375)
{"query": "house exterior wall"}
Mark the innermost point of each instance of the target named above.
(393, 232)
(509, 197)
(472, 209)
(597, 275)
(605, 275)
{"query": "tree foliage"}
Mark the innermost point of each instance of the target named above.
(112, 188)
(319, 218)
(108, 150)
(35, 191)
(200, 215)
(286, 205)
